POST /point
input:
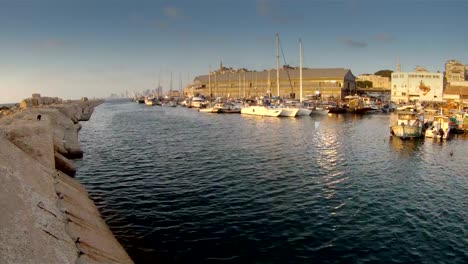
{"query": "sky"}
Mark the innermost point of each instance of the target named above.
(72, 49)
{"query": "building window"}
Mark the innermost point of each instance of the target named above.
(403, 94)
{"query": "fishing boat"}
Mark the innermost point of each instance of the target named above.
(356, 105)
(440, 128)
(409, 124)
(150, 101)
(336, 110)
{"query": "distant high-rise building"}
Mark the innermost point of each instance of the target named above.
(455, 71)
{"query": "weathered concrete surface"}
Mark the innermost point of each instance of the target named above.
(48, 217)
(31, 226)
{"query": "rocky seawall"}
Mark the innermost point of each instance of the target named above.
(47, 216)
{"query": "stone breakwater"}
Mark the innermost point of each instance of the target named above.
(47, 216)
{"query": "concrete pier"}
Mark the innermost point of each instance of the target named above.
(47, 216)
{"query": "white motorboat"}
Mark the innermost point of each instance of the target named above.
(150, 101)
(261, 110)
(439, 128)
(197, 102)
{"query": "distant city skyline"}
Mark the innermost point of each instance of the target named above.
(90, 48)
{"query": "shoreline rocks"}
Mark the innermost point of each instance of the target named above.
(48, 216)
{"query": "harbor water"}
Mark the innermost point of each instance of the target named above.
(179, 186)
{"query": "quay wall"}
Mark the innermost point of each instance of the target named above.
(47, 216)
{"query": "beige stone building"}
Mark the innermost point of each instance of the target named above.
(377, 81)
(457, 92)
(455, 71)
(242, 83)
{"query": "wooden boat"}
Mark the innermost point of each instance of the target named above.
(409, 124)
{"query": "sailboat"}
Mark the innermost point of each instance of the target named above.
(302, 110)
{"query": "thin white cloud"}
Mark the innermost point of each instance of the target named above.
(267, 9)
(160, 24)
(352, 43)
(264, 7)
(384, 37)
(173, 12)
(53, 44)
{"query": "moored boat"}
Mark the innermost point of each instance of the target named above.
(441, 128)
(288, 112)
(409, 124)
(150, 101)
(261, 110)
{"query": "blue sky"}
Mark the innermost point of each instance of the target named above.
(92, 48)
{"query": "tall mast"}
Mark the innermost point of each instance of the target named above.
(300, 70)
(159, 84)
(277, 64)
(239, 84)
(216, 84)
(180, 82)
(209, 84)
(244, 85)
(170, 86)
(269, 83)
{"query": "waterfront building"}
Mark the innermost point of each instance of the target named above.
(457, 92)
(420, 85)
(243, 83)
(377, 81)
(455, 71)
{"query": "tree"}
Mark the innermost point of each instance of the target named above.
(384, 73)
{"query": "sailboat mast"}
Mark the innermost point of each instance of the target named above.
(300, 70)
(209, 83)
(180, 82)
(277, 64)
(159, 84)
(170, 86)
(240, 84)
(269, 83)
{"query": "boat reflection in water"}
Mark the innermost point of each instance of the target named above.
(405, 147)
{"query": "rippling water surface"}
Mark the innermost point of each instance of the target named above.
(179, 186)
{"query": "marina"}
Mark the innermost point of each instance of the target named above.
(181, 186)
(257, 131)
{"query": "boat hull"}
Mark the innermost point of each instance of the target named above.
(435, 133)
(289, 112)
(208, 110)
(336, 110)
(406, 132)
(304, 112)
(261, 111)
